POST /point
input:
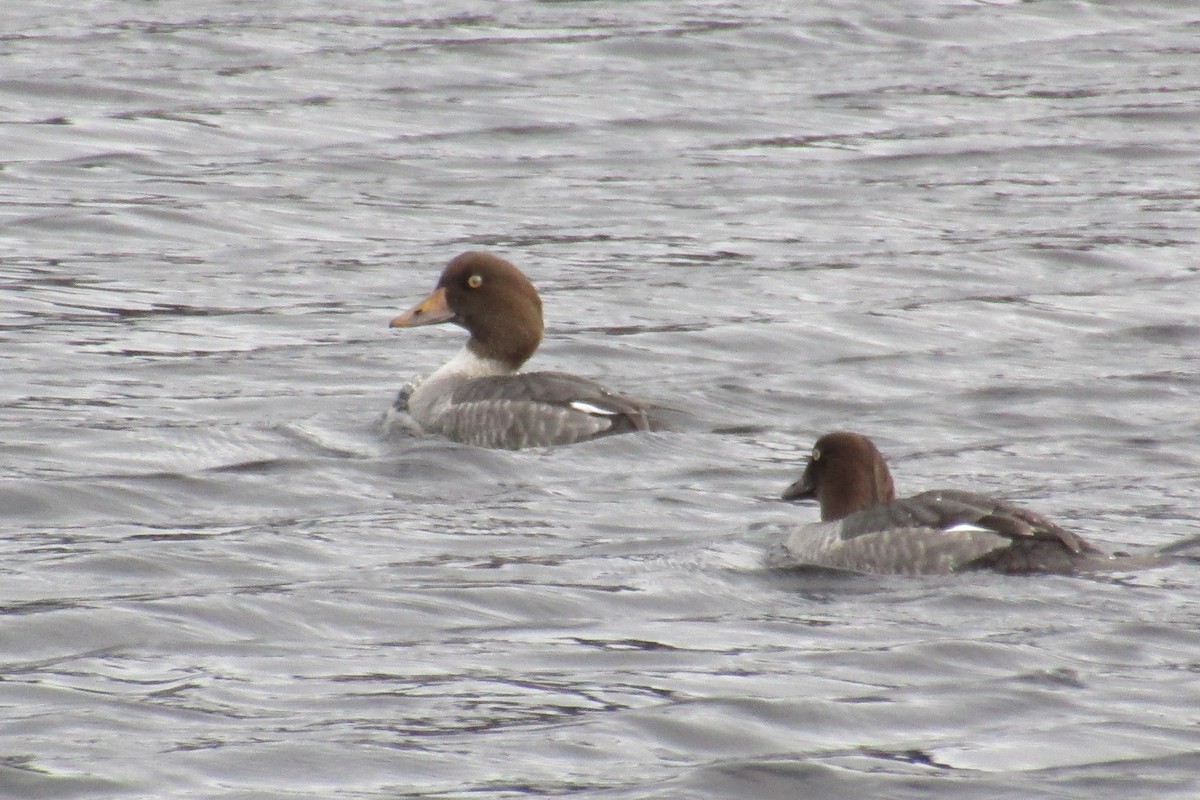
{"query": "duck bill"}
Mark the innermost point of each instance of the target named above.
(430, 311)
(802, 489)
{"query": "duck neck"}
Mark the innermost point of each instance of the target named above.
(467, 364)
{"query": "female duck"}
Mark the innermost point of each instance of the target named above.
(866, 529)
(479, 397)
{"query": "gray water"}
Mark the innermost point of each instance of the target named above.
(968, 230)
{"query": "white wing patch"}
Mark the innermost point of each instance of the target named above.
(588, 408)
(966, 527)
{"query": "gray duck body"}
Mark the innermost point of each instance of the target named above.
(479, 397)
(864, 527)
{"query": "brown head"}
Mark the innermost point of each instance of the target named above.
(845, 473)
(489, 297)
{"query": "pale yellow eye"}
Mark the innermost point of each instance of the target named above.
(475, 281)
(816, 454)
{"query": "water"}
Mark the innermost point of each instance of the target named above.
(967, 230)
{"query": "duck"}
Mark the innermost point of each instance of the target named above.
(480, 396)
(865, 528)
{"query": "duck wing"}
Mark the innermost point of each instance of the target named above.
(536, 409)
(940, 532)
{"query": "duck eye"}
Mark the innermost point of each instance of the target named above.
(475, 281)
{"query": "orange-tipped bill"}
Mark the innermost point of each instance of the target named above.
(430, 311)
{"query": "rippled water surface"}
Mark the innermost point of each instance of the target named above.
(968, 230)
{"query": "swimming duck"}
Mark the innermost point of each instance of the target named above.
(479, 397)
(864, 527)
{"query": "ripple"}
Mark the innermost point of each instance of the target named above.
(963, 229)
